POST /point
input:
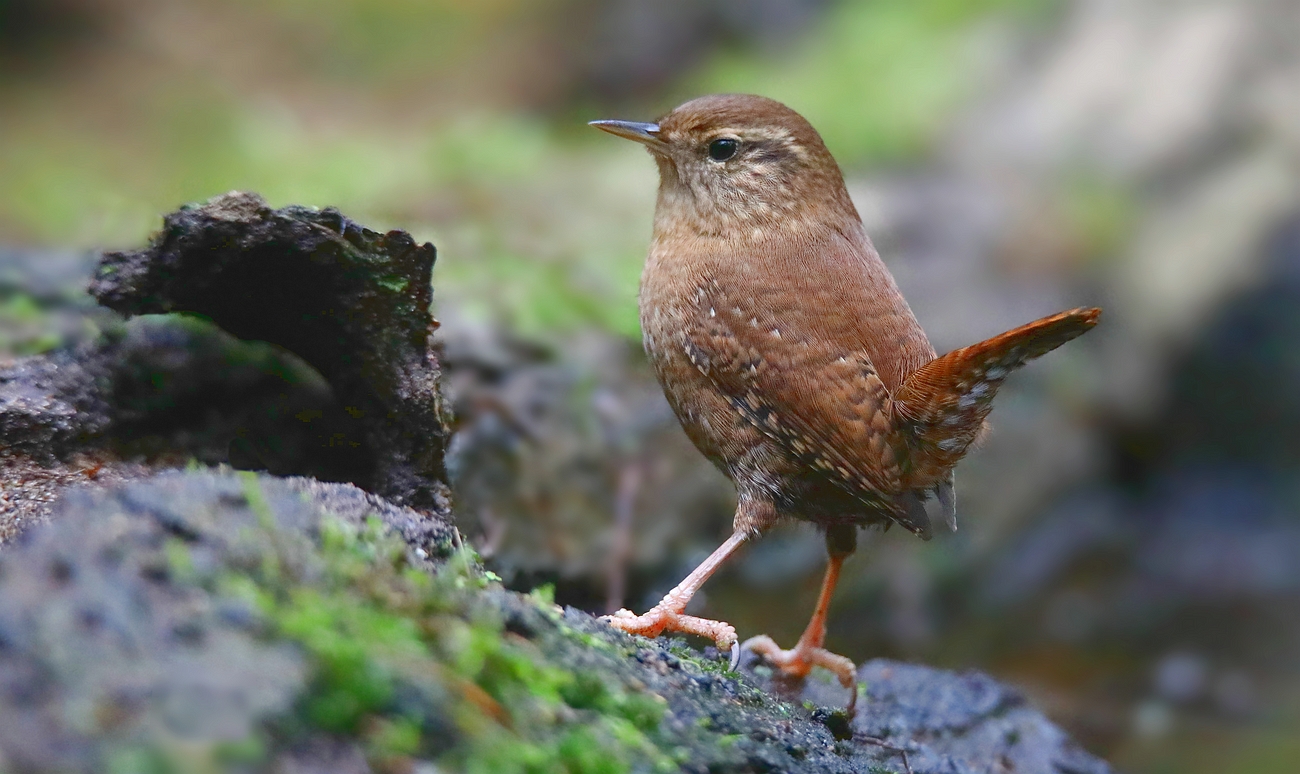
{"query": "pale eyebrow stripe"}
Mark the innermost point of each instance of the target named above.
(775, 134)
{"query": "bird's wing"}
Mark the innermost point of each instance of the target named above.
(820, 401)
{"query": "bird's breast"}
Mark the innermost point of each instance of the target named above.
(670, 317)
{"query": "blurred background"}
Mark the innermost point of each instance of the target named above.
(1129, 552)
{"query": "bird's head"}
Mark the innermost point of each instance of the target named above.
(739, 161)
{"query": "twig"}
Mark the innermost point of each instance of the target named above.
(881, 743)
(629, 485)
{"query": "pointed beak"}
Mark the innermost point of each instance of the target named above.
(646, 134)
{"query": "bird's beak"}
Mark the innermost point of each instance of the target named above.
(646, 134)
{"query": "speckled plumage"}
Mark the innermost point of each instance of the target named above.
(779, 335)
(785, 347)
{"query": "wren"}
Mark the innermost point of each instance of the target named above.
(791, 358)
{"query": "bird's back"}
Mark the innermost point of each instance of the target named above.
(825, 292)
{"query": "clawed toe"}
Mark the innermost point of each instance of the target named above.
(799, 661)
(658, 620)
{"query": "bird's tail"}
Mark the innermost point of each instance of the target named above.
(941, 407)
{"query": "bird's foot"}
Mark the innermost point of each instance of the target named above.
(799, 661)
(662, 618)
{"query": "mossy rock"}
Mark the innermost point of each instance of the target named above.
(221, 621)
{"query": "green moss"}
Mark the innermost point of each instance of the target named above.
(138, 760)
(543, 595)
(179, 563)
(395, 284)
(582, 751)
(241, 752)
(592, 641)
(25, 326)
(21, 307)
(442, 667)
(393, 738)
(692, 660)
(645, 711)
(416, 666)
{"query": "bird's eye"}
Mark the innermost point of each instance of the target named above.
(723, 148)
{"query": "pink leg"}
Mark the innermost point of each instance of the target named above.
(808, 653)
(668, 614)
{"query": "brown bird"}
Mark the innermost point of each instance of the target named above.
(790, 356)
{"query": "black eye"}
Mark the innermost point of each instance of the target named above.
(723, 148)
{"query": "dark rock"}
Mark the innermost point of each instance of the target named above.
(49, 405)
(91, 656)
(109, 639)
(944, 721)
(182, 386)
(430, 538)
(352, 303)
(177, 388)
(569, 468)
(167, 390)
(120, 637)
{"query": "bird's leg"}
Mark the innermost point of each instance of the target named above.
(808, 653)
(668, 615)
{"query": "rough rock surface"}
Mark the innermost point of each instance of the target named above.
(174, 619)
(363, 408)
(110, 644)
(30, 487)
(949, 722)
(353, 303)
(49, 405)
